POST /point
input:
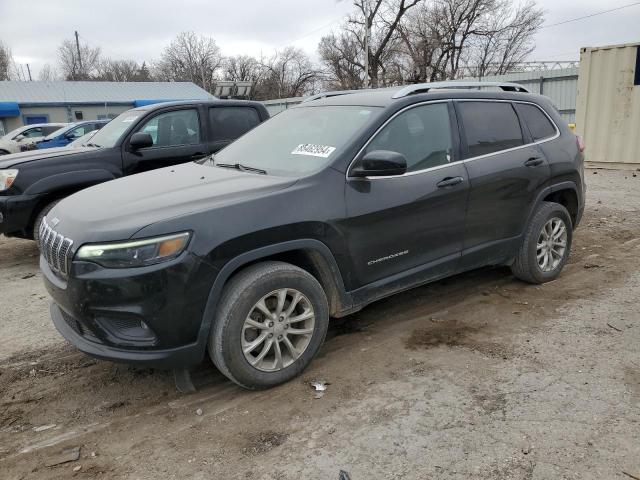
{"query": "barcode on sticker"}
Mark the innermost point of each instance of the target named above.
(313, 150)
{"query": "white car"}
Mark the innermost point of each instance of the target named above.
(13, 141)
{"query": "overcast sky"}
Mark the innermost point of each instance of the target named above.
(139, 29)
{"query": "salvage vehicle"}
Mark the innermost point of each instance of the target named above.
(64, 136)
(329, 206)
(141, 139)
(14, 141)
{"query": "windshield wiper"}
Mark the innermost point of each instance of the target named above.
(242, 168)
(93, 145)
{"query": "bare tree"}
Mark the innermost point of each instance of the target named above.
(508, 39)
(47, 73)
(362, 51)
(242, 68)
(342, 56)
(382, 18)
(78, 67)
(287, 73)
(123, 71)
(6, 62)
(190, 57)
(448, 39)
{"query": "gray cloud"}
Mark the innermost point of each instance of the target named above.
(139, 29)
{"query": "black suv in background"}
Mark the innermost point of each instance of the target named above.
(325, 208)
(138, 140)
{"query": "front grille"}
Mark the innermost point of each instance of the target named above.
(55, 248)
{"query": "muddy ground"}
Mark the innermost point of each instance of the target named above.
(478, 376)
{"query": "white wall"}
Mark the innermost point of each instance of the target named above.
(61, 114)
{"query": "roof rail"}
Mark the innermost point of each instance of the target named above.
(337, 93)
(425, 87)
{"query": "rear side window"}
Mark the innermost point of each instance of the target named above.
(229, 123)
(490, 127)
(539, 124)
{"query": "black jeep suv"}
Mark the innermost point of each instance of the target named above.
(323, 209)
(141, 139)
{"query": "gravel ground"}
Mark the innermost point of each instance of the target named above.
(477, 376)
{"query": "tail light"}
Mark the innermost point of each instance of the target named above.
(580, 143)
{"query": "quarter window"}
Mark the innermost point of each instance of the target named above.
(490, 127)
(180, 127)
(229, 123)
(422, 134)
(539, 124)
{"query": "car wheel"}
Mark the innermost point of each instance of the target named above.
(546, 245)
(270, 323)
(38, 221)
(4, 152)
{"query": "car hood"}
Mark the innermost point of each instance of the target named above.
(15, 159)
(116, 210)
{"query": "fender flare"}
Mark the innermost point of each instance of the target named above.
(78, 179)
(263, 252)
(556, 187)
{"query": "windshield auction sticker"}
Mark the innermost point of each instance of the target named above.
(313, 150)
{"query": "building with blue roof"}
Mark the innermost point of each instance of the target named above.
(24, 103)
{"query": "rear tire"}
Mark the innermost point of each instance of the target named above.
(545, 246)
(38, 221)
(252, 339)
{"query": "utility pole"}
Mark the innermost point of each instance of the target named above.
(78, 50)
(367, 34)
(29, 70)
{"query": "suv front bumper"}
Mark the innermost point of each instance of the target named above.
(152, 316)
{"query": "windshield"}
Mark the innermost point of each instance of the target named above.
(109, 135)
(298, 141)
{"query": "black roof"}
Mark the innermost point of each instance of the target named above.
(212, 103)
(385, 97)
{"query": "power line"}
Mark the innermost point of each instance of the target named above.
(335, 20)
(589, 16)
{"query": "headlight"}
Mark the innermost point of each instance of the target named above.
(7, 177)
(135, 253)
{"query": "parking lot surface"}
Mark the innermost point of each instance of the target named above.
(477, 376)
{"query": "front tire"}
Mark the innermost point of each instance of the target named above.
(545, 246)
(270, 323)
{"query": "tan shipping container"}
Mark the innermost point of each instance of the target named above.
(608, 105)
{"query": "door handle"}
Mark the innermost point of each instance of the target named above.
(198, 156)
(533, 162)
(449, 182)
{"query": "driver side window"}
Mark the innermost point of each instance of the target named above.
(180, 127)
(422, 134)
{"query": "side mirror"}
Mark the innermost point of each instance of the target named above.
(140, 140)
(380, 163)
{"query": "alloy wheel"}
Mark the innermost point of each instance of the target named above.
(278, 330)
(552, 244)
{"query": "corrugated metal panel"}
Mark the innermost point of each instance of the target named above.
(91, 92)
(608, 109)
(559, 85)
